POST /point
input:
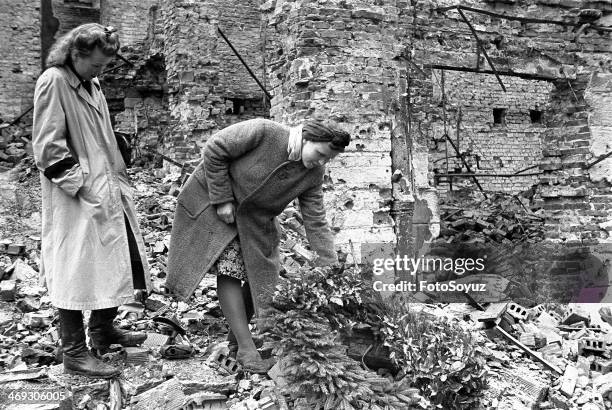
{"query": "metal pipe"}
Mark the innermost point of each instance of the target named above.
(467, 166)
(504, 73)
(598, 160)
(124, 60)
(479, 43)
(471, 174)
(245, 64)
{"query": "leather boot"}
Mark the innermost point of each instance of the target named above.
(77, 357)
(103, 333)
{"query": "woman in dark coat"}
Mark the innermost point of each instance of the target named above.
(225, 221)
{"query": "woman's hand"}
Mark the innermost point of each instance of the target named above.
(226, 212)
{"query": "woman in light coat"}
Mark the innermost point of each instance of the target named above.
(93, 255)
(225, 221)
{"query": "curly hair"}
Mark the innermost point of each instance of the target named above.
(83, 40)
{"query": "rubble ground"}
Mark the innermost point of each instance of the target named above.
(574, 339)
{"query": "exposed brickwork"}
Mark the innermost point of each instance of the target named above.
(375, 68)
(334, 61)
(138, 100)
(559, 53)
(492, 148)
(132, 18)
(205, 84)
(577, 205)
(19, 56)
(73, 14)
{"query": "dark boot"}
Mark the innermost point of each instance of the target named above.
(77, 357)
(103, 333)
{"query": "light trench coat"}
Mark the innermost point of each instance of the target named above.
(85, 257)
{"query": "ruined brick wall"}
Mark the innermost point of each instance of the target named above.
(242, 25)
(19, 55)
(568, 48)
(71, 14)
(137, 93)
(22, 32)
(371, 67)
(499, 132)
(132, 18)
(333, 59)
(207, 87)
(577, 197)
(443, 40)
(138, 100)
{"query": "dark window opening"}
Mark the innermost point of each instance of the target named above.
(536, 116)
(237, 106)
(499, 116)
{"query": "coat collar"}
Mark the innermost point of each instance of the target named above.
(77, 83)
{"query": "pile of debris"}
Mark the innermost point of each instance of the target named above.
(174, 368)
(501, 218)
(556, 357)
(570, 346)
(15, 145)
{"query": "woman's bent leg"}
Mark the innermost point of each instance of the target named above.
(250, 311)
(233, 306)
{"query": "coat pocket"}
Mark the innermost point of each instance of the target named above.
(192, 199)
(96, 202)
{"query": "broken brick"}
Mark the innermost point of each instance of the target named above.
(8, 289)
(575, 315)
(517, 311)
(15, 249)
(136, 355)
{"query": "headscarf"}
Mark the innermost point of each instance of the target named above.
(318, 131)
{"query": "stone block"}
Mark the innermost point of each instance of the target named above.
(568, 381)
(8, 289)
(517, 311)
(168, 395)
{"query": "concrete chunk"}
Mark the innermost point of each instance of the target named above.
(568, 381)
(168, 395)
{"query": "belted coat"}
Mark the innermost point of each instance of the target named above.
(246, 163)
(85, 257)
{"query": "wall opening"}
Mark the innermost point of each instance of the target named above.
(499, 116)
(536, 116)
(238, 106)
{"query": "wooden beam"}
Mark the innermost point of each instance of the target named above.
(526, 76)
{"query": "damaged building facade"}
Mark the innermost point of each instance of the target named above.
(517, 93)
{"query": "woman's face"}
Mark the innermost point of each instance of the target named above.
(92, 65)
(316, 153)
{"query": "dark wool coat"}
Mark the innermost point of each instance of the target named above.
(246, 163)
